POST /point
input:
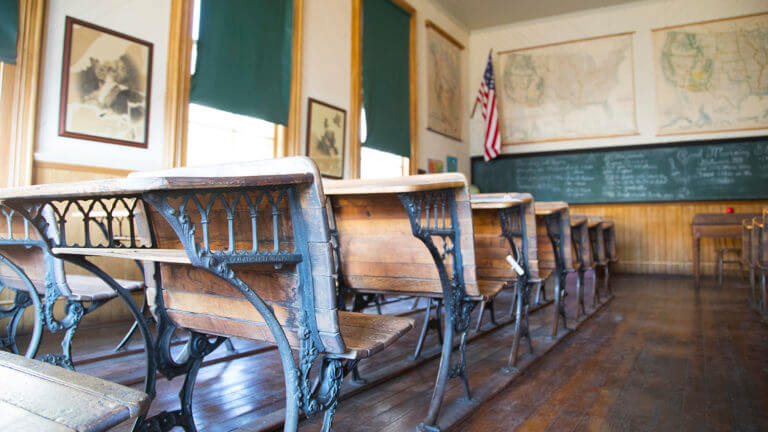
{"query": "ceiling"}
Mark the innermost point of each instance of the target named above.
(477, 14)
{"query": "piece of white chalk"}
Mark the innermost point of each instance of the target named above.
(515, 266)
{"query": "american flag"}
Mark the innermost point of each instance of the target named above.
(486, 97)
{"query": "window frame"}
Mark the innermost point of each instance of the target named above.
(356, 79)
(178, 82)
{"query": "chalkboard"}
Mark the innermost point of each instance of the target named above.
(710, 170)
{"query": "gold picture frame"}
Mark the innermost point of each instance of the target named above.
(326, 128)
(105, 85)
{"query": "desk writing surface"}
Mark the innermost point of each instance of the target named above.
(722, 218)
(42, 397)
(547, 208)
(138, 185)
(418, 183)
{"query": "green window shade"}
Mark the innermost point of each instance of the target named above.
(244, 58)
(386, 92)
(9, 29)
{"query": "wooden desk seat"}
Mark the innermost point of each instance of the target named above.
(581, 253)
(23, 247)
(41, 397)
(553, 231)
(505, 225)
(82, 288)
(759, 260)
(385, 230)
(746, 257)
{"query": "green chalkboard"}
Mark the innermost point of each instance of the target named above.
(710, 170)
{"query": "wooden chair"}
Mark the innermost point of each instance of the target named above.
(505, 225)
(582, 257)
(746, 257)
(601, 260)
(554, 239)
(28, 263)
(42, 397)
(609, 230)
(238, 250)
(413, 235)
(758, 258)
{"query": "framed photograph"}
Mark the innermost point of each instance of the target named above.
(444, 103)
(435, 166)
(451, 163)
(325, 137)
(105, 85)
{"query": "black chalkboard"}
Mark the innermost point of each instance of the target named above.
(709, 170)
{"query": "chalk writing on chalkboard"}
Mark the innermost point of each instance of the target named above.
(735, 169)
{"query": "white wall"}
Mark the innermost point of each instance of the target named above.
(145, 19)
(639, 17)
(327, 66)
(326, 61)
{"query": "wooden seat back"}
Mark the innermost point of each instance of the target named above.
(378, 249)
(545, 251)
(758, 253)
(581, 250)
(746, 243)
(597, 239)
(265, 219)
(609, 230)
(491, 248)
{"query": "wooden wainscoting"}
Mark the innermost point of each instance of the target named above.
(656, 237)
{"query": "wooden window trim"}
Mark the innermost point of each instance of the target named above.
(26, 84)
(356, 79)
(287, 141)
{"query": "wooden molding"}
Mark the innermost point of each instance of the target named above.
(413, 84)
(23, 136)
(117, 172)
(177, 83)
(356, 102)
(293, 141)
(443, 33)
(356, 90)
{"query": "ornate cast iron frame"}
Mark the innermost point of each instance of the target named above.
(555, 231)
(513, 227)
(302, 392)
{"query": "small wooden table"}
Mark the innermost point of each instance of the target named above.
(42, 397)
(714, 225)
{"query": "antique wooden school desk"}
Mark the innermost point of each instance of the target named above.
(714, 225)
(553, 226)
(414, 236)
(247, 255)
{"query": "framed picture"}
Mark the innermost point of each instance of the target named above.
(435, 166)
(579, 89)
(451, 163)
(444, 103)
(325, 137)
(105, 85)
(710, 76)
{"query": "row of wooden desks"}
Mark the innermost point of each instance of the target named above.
(267, 251)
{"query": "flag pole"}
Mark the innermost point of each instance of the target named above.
(474, 108)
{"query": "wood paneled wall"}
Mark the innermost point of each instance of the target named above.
(656, 237)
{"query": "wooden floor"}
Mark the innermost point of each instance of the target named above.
(660, 356)
(663, 356)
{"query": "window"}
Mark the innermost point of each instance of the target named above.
(216, 136)
(376, 163)
(379, 164)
